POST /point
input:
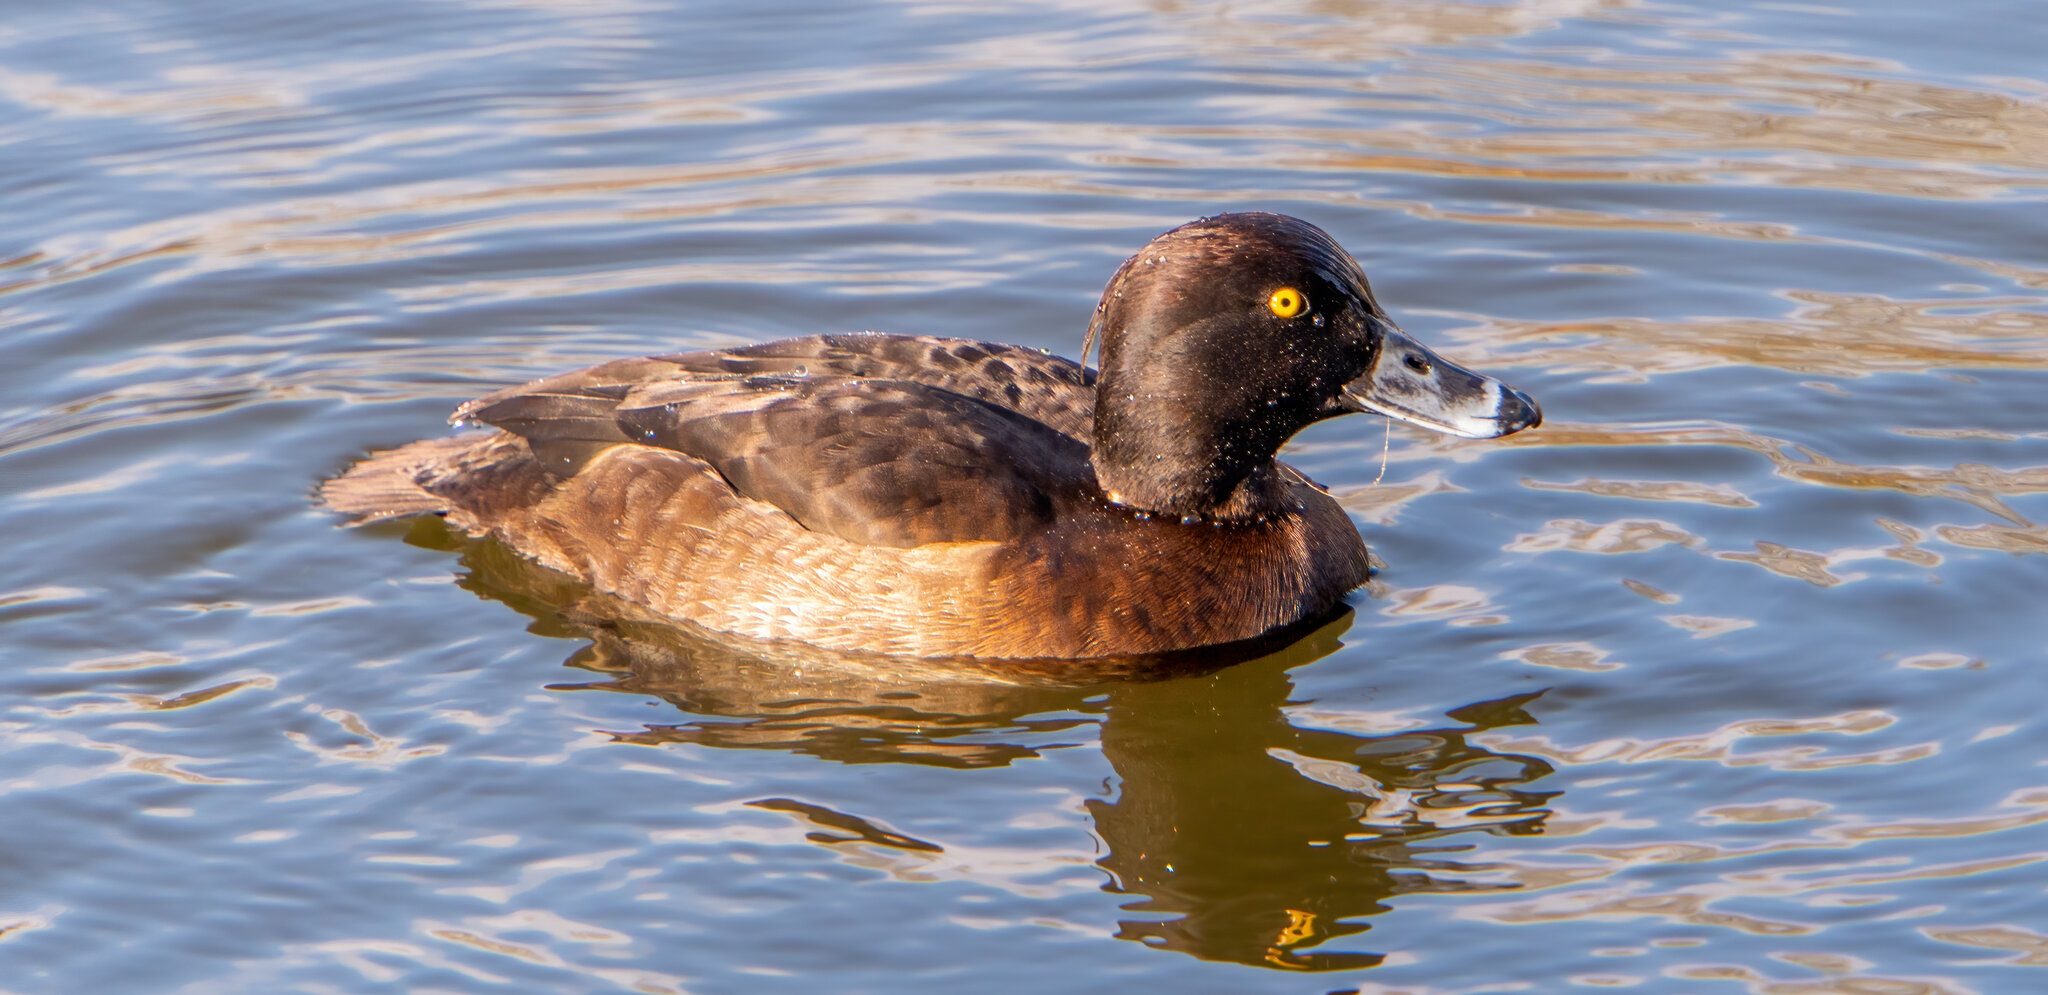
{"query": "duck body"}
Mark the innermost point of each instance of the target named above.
(937, 497)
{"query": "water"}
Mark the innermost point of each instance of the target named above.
(1726, 679)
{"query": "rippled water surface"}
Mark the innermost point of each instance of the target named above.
(1729, 678)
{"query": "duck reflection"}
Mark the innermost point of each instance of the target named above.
(1248, 838)
(1238, 834)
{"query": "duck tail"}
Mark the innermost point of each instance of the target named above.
(388, 484)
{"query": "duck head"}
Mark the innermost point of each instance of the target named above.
(1224, 337)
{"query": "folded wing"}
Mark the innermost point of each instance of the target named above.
(874, 439)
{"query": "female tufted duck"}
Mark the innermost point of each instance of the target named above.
(938, 497)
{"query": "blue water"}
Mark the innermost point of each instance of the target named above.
(1726, 679)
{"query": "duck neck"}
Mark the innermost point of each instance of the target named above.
(1156, 453)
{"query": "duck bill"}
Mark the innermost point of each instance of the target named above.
(1410, 383)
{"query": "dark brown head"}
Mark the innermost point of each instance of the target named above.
(1224, 337)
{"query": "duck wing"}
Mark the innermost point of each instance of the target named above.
(851, 436)
(1056, 392)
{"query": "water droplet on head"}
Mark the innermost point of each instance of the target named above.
(1316, 321)
(1190, 519)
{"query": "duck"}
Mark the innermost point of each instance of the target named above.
(942, 498)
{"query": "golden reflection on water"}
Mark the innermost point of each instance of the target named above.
(1979, 485)
(1238, 833)
(1777, 119)
(1782, 117)
(1729, 745)
(1841, 335)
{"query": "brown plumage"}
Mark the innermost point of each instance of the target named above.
(943, 498)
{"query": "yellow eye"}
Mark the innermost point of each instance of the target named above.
(1287, 302)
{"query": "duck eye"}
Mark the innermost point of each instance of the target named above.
(1287, 302)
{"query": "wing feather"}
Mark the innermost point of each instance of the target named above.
(866, 437)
